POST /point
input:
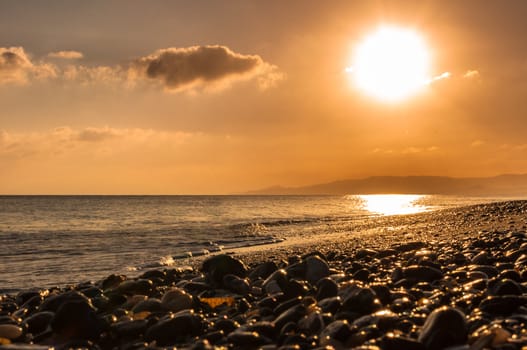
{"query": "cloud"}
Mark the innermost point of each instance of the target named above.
(66, 140)
(176, 69)
(69, 55)
(96, 134)
(16, 67)
(471, 74)
(204, 66)
(477, 143)
(444, 75)
(97, 74)
(405, 151)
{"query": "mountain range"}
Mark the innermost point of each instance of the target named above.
(502, 185)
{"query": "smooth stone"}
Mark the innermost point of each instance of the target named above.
(5, 319)
(267, 302)
(53, 302)
(295, 288)
(247, 339)
(502, 305)
(482, 258)
(326, 288)
(134, 287)
(382, 292)
(315, 269)
(133, 300)
(24, 296)
(150, 304)
(361, 275)
(444, 327)
(263, 270)
(264, 328)
(331, 305)
(76, 320)
(505, 287)
(385, 253)
(391, 342)
(362, 301)
(153, 274)
(313, 323)
(21, 346)
(112, 281)
(32, 302)
(216, 267)
(364, 253)
(195, 287)
(38, 322)
(385, 320)
(10, 331)
(171, 330)
(283, 306)
(335, 334)
(294, 313)
(296, 270)
(489, 270)
(214, 337)
(227, 325)
(236, 284)
(276, 282)
(408, 246)
(510, 274)
(176, 299)
(129, 328)
(91, 292)
(420, 273)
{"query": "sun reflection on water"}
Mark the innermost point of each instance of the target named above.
(392, 204)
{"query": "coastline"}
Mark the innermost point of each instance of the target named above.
(383, 231)
(448, 278)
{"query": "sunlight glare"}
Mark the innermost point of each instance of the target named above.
(391, 64)
(392, 204)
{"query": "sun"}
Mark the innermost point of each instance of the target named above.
(391, 64)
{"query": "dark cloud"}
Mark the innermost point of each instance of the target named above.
(183, 67)
(96, 134)
(17, 67)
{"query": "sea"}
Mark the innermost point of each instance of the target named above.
(60, 240)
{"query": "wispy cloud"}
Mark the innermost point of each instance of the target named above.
(477, 143)
(471, 74)
(107, 140)
(406, 150)
(68, 55)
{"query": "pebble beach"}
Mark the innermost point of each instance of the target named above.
(449, 279)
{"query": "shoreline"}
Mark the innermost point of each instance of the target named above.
(448, 278)
(383, 231)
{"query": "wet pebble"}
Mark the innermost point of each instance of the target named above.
(444, 327)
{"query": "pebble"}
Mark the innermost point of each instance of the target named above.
(10, 331)
(444, 327)
(315, 269)
(172, 329)
(176, 299)
(216, 267)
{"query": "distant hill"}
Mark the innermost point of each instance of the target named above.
(502, 185)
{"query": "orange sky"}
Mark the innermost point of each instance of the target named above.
(157, 97)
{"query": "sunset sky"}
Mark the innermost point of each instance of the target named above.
(199, 97)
